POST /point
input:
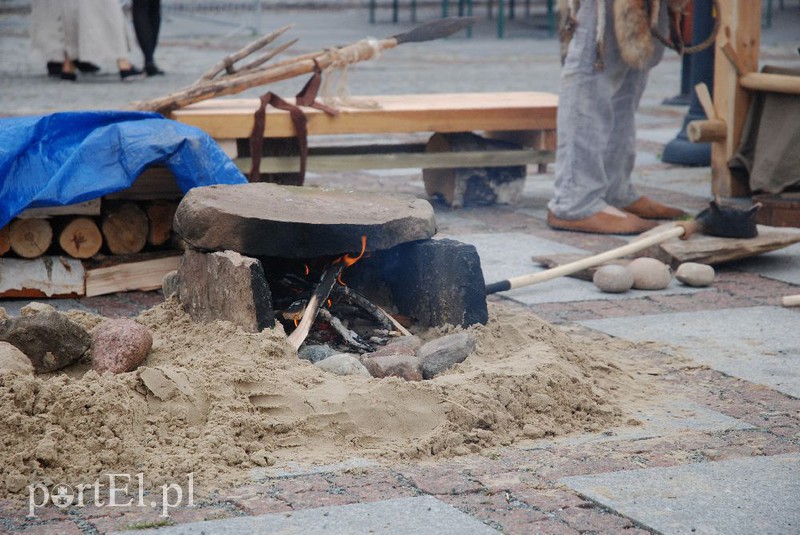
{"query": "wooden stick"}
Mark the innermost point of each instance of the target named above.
(266, 57)
(706, 131)
(319, 296)
(791, 300)
(227, 62)
(30, 238)
(350, 337)
(229, 85)
(352, 297)
(704, 96)
(775, 83)
(733, 57)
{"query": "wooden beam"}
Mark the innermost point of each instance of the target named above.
(740, 26)
(774, 83)
(84, 208)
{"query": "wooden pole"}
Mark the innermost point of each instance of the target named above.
(741, 28)
(125, 229)
(80, 238)
(30, 238)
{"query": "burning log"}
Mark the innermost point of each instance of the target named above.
(354, 298)
(317, 299)
(350, 337)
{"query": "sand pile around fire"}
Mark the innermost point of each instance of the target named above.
(216, 401)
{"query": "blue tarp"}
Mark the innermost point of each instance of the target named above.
(71, 157)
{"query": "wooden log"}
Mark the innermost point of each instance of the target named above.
(706, 131)
(80, 238)
(5, 244)
(125, 229)
(791, 300)
(472, 185)
(30, 238)
(160, 215)
(46, 276)
(775, 83)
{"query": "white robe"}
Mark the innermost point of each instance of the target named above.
(89, 30)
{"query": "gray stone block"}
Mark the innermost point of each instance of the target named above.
(443, 353)
(437, 282)
(225, 286)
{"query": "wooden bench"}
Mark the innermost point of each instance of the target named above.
(526, 118)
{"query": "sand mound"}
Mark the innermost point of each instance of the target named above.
(216, 401)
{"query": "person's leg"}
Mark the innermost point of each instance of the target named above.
(146, 24)
(585, 117)
(620, 154)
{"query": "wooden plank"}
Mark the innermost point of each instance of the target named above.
(90, 208)
(146, 275)
(46, 276)
(740, 26)
(353, 162)
(444, 112)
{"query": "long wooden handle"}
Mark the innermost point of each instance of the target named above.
(791, 300)
(584, 263)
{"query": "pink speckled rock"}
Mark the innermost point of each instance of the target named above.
(120, 345)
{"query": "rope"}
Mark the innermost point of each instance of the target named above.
(709, 41)
(335, 90)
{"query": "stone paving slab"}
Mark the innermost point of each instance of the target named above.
(420, 515)
(779, 265)
(695, 181)
(758, 344)
(742, 496)
(667, 416)
(509, 254)
(297, 469)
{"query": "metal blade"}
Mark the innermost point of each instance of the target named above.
(436, 29)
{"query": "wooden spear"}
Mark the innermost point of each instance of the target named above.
(359, 51)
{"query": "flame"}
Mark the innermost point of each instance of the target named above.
(296, 322)
(349, 260)
(330, 303)
(306, 270)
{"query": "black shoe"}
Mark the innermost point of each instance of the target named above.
(70, 76)
(152, 70)
(131, 75)
(87, 67)
(54, 68)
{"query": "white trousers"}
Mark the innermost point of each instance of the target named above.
(596, 121)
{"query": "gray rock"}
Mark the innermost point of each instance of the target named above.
(343, 364)
(406, 367)
(3, 314)
(263, 219)
(613, 279)
(443, 353)
(12, 360)
(49, 339)
(316, 353)
(225, 286)
(694, 274)
(120, 345)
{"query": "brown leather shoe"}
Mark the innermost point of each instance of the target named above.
(647, 208)
(602, 223)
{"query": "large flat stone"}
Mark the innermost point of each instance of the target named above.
(262, 219)
(758, 344)
(400, 516)
(741, 496)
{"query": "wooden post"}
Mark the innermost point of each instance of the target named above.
(741, 27)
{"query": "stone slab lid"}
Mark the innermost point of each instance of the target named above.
(264, 219)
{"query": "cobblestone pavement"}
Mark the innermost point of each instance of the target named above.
(724, 415)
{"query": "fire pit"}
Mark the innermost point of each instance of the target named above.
(354, 265)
